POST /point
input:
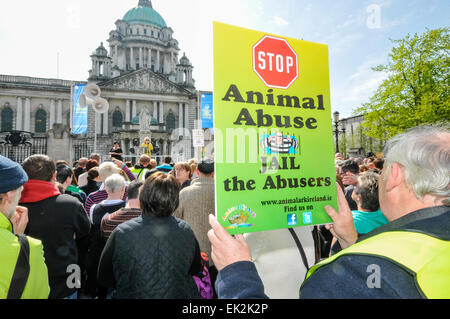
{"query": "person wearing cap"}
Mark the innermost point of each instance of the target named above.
(13, 221)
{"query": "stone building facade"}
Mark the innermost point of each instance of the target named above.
(149, 87)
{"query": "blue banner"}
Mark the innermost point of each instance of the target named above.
(206, 114)
(80, 112)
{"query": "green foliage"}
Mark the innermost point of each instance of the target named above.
(416, 90)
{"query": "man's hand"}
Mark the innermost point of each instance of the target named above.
(343, 227)
(226, 250)
(20, 220)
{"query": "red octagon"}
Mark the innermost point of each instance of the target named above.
(275, 62)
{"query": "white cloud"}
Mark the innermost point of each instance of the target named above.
(280, 21)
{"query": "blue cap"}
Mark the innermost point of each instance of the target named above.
(12, 175)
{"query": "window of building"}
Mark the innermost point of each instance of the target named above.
(170, 122)
(117, 119)
(40, 125)
(7, 119)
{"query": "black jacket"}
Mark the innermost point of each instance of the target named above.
(55, 221)
(151, 258)
(90, 187)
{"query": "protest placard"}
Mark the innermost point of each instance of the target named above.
(273, 131)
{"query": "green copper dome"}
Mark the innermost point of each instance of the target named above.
(144, 14)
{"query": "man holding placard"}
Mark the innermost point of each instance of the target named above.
(407, 258)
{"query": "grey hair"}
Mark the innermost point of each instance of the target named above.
(424, 154)
(368, 189)
(107, 169)
(114, 183)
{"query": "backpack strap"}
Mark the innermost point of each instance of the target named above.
(300, 248)
(22, 270)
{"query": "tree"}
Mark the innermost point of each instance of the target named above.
(416, 90)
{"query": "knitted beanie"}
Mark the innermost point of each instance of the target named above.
(12, 175)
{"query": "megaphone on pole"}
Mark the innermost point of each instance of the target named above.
(92, 91)
(85, 101)
(100, 105)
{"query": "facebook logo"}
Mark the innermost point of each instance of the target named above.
(307, 218)
(292, 219)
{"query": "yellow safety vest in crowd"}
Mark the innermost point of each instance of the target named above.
(425, 256)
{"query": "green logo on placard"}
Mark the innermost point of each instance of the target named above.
(238, 217)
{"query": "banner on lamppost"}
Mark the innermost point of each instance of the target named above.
(273, 148)
(206, 110)
(80, 112)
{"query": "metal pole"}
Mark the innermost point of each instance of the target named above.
(95, 133)
(337, 136)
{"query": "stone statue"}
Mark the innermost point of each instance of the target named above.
(144, 120)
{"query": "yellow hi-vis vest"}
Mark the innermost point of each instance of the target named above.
(427, 257)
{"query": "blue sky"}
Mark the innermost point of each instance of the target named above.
(33, 33)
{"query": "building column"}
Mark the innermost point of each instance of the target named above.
(157, 67)
(164, 149)
(59, 112)
(186, 116)
(105, 123)
(180, 115)
(27, 113)
(116, 55)
(122, 145)
(141, 59)
(155, 110)
(149, 61)
(127, 111)
(19, 114)
(161, 112)
(133, 110)
(132, 62)
(52, 113)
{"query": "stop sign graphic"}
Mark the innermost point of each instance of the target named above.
(275, 62)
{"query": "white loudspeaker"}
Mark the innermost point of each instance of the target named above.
(85, 101)
(100, 105)
(92, 91)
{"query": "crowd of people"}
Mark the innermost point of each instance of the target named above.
(114, 230)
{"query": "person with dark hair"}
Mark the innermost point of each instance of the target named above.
(183, 174)
(132, 210)
(64, 176)
(93, 178)
(154, 255)
(350, 172)
(151, 172)
(55, 219)
(116, 152)
(378, 163)
(80, 169)
(166, 167)
(368, 216)
(82, 179)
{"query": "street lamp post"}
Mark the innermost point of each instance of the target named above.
(336, 130)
